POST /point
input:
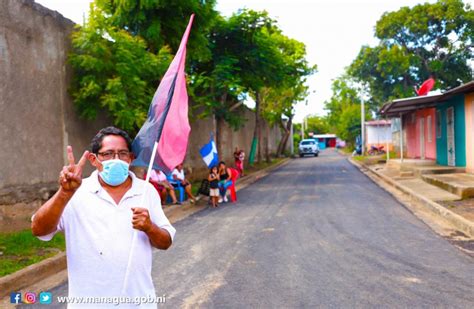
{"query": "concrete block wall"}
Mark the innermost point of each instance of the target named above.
(37, 115)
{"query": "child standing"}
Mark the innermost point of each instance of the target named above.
(214, 185)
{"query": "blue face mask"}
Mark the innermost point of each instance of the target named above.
(114, 172)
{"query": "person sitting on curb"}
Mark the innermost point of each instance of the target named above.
(178, 175)
(224, 181)
(159, 178)
(100, 216)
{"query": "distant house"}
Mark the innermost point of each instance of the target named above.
(325, 140)
(378, 133)
(437, 127)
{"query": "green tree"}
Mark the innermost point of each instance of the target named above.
(296, 135)
(277, 102)
(260, 61)
(428, 40)
(114, 71)
(317, 125)
(344, 109)
(122, 52)
(348, 126)
(162, 22)
(216, 85)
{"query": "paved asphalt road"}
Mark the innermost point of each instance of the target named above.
(314, 233)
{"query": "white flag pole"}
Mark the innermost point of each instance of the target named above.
(134, 237)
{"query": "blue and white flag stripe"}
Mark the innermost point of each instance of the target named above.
(209, 153)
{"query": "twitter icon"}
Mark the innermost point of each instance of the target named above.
(45, 298)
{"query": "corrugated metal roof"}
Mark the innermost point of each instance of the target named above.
(382, 122)
(396, 107)
(324, 136)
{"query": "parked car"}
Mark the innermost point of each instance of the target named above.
(308, 146)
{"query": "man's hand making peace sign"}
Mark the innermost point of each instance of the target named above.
(70, 178)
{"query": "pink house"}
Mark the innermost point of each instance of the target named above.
(420, 131)
(469, 101)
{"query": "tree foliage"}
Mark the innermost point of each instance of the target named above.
(114, 71)
(250, 57)
(217, 85)
(279, 100)
(121, 53)
(428, 40)
(344, 109)
(317, 125)
(162, 22)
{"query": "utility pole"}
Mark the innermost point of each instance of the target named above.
(362, 124)
(302, 129)
(306, 122)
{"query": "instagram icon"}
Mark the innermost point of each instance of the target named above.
(29, 298)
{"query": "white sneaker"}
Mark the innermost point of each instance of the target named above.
(220, 200)
(225, 199)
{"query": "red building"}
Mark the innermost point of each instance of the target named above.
(420, 133)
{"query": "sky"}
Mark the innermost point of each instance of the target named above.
(332, 30)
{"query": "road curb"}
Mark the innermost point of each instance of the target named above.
(42, 270)
(24, 277)
(176, 214)
(459, 222)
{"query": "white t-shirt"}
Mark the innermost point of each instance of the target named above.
(179, 174)
(157, 176)
(98, 236)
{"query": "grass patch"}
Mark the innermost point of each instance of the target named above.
(21, 249)
(346, 150)
(394, 155)
(195, 186)
(370, 160)
(249, 169)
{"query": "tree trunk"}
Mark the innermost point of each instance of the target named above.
(285, 136)
(282, 140)
(288, 130)
(256, 133)
(267, 142)
(220, 137)
(220, 131)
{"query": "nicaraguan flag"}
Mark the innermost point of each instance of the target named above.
(167, 123)
(209, 153)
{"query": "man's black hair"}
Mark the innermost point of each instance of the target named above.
(96, 142)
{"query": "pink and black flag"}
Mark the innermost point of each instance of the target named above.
(167, 124)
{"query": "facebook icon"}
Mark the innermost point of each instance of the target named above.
(15, 298)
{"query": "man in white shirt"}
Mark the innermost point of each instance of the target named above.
(99, 216)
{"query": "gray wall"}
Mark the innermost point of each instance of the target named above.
(37, 116)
